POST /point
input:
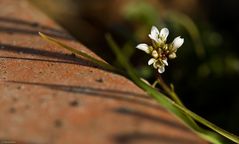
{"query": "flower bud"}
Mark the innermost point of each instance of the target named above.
(177, 42)
(155, 54)
(172, 56)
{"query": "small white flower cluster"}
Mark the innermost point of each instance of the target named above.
(160, 50)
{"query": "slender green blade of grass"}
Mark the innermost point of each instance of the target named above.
(175, 98)
(77, 52)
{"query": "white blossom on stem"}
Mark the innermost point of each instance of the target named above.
(160, 50)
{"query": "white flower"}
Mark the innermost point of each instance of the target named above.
(151, 61)
(177, 42)
(161, 69)
(165, 62)
(160, 50)
(159, 37)
(164, 34)
(154, 35)
(144, 47)
(158, 65)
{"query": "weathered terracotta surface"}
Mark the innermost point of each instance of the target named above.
(47, 96)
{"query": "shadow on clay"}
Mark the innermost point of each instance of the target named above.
(61, 57)
(149, 117)
(152, 138)
(17, 26)
(126, 137)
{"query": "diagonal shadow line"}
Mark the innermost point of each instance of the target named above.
(102, 93)
(37, 59)
(141, 115)
(32, 51)
(35, 32)
(113, 94)
(49, 54)
(28, 23)
(13, 141)
(134, 137)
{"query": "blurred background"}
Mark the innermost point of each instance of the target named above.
(206, 71)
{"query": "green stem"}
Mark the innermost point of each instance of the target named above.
(205, 122)
(175, 97)
(168, 90)
(155, 83)
(80, 53)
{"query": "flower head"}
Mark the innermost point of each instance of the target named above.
(160, 50)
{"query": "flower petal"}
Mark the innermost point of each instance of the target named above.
(151, 61)
(161, 69)
(154, 35)
(143, 47)
(165, 62)
(164, 32)
(177, 42)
